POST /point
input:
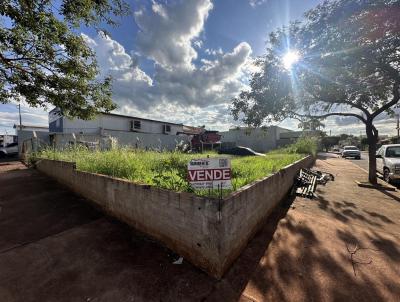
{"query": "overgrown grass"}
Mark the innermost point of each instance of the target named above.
(167, 169)
(304, 145)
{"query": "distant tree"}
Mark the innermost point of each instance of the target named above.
(329, 142)
(350, 140)
(364, 143)
(44, 59)
(345, 61)
(311, 124)
(344, 136)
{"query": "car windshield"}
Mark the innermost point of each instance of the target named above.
(393, 151)
(350, 148)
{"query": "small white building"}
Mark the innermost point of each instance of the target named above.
(26, 133)
(6, 139)
(260, 139)
(110, 122)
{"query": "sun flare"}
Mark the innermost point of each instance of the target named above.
(291, 57)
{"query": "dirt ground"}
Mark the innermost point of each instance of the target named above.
(342, 246)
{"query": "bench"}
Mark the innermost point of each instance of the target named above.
(305, 184)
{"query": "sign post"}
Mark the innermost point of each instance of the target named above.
(210, 173)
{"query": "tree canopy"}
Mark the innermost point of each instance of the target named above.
(345, 61)
(45, 60)
(311, 124)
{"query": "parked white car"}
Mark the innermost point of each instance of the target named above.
(9, 150)
(388, 162)
(351, 151)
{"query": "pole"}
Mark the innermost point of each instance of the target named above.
(398, 128)
(20, 118)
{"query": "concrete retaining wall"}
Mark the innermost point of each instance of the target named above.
(245, 211)
(190, 225)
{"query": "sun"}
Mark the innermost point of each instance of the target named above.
(291, 57)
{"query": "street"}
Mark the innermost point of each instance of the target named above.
(363, 162)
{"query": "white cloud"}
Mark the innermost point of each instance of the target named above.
(167, 31)
(215, 81)
(30, 116)
(198, 44)
(214, 52)
(254, 3)
(179, 90)
(114, 61)
(168, 36)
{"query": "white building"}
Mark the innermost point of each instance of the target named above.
(26, 133)
(260, 139)
(7, 139)
(30, 128)
(105, 122)
(128, 131)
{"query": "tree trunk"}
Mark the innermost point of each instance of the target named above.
(372, 136)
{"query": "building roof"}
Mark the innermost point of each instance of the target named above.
(30, 126)
(131, 117)
(141, 118)
(192, 130)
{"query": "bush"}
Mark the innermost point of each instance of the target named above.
(304, 145)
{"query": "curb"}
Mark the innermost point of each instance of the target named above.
(381, 184)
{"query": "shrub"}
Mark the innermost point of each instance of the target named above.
(304, 145)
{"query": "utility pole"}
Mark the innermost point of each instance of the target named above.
(398, 128)
(20, 118)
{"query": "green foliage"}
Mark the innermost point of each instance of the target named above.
(329, 141)
(304, 145)
(167, 170)
(44, 59)
(311, 124)
(349, 65)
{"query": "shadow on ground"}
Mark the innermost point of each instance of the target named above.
(308, 261)
(55, 247)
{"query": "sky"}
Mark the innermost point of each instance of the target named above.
(183, 60)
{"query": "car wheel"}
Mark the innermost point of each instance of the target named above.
(358, 157)
(2, 155)
(386, 173)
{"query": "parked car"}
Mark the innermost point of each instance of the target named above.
(9, 150)
(388, 162)
(351, 151)
(243, 151)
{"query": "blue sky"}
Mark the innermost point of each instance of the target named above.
(183, 60)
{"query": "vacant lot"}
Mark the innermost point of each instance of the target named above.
(167, 169)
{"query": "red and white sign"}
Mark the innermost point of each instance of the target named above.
(210, 173)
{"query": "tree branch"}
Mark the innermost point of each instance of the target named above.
(361, 118)
(394, 101)
(349, 103)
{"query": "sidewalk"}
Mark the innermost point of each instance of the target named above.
(342, 246)
(55, 247)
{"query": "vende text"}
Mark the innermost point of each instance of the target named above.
(209, 174)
